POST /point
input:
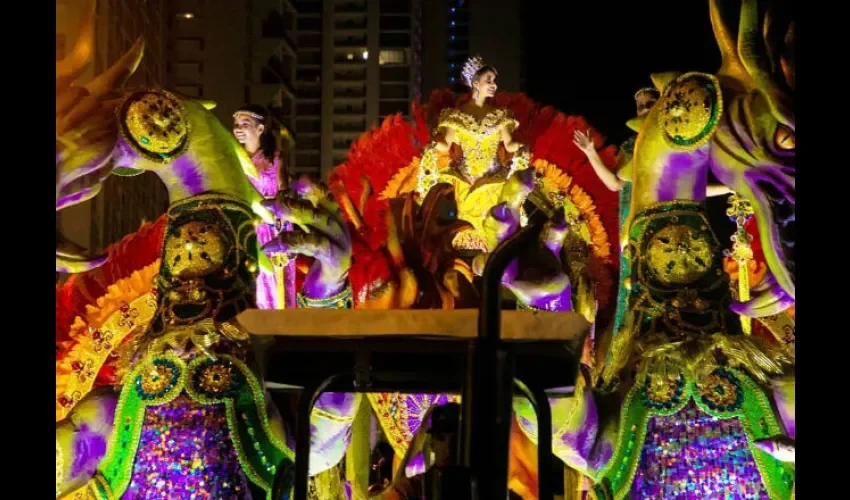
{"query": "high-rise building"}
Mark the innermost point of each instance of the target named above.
(122, 203)
(358, 61)
(234, 53)
(458, 29)
(361, 60)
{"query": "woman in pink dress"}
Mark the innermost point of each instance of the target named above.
(255, 130)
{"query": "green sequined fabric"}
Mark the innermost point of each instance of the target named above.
(209, 262)
(678, 283)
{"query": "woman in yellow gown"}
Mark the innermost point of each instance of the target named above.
(479, 172)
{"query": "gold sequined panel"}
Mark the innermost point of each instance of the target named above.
(473, 207)
(679, 254)
(154, 123)
(660, 390)
(478, 140)
(197, 249)
(216, 378)
(157, 378)
(690, 110)
(492, 121)
(208, 262)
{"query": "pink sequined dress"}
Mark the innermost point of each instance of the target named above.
(268, 184)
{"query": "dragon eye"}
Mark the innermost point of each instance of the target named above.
(784, 138)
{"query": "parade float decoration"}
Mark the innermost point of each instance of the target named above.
(190, 417)
(155, 389)
(702, 382)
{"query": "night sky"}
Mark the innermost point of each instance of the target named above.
(589, 57)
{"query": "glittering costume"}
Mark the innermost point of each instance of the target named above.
(477, 174)
(205, 277)
(680, 320)
(702, 393)
(477, 170)
(178, 439)
(268, 289)
(195, 429)
(154, 316)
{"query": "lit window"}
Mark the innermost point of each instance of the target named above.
(350, 57)
(365, 55)
(186, 15)
(392, 57)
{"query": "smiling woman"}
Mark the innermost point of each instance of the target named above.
(256, 130)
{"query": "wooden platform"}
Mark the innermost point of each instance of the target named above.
(408, 350)
(530, 326)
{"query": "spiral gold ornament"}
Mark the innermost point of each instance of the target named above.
(153, 122)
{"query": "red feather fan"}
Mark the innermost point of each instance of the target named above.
(135, 251)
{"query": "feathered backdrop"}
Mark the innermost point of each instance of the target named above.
(88, 301)
(397, 143)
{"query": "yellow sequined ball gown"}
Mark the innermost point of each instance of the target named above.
(478, 174)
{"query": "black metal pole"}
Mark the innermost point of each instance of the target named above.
(489, 387)
(302, 437)
(490, 316)
(540, 402)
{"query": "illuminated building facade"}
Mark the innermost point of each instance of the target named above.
(234, 53)
(358, 62)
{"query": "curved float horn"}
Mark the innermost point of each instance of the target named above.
(730, 62)
(787, 59)
(120, 72)
(751, 50)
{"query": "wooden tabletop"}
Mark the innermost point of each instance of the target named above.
(523, 326)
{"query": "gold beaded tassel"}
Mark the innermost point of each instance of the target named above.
(740, 210)
(280, 261)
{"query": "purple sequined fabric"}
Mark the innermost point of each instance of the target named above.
(185, 453)
(691, 455)
(269, 174)
(267, 292)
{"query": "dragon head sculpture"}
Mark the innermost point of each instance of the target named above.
(738, 123)
(754, 149)
(102, 130)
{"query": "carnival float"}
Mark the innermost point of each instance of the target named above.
(159, 393)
